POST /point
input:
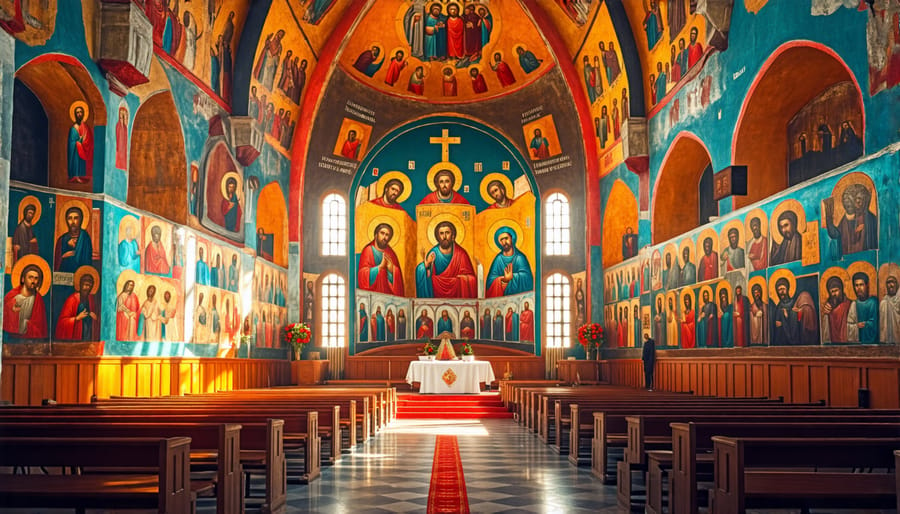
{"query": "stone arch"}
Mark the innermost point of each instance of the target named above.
(760, 141)
(620, 213)
(157, 172)
(676, 195)
(55, 83)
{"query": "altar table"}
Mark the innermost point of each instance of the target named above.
(449, 377)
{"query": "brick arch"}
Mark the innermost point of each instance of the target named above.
(795, 73)
(676, 194)
(158, 169)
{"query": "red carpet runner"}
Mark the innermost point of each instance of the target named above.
(447, 492)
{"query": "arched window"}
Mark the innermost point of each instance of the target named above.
(558, 294)
(334, 225)
(557, 234)
(334, 311)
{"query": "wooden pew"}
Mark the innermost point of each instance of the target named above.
(221, 442)
(692, 444)
(764, 472)
(168, 490)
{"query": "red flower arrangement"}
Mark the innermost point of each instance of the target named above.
(297, 335)
(590, 335)
(429, 349)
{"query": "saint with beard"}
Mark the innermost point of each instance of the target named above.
(24, 313)
(446, 271)
(758, 316)
(834, 312)
(510, 272)
(889, 312)
(790, 248)
(24, 241)
(79, 319)
(707, 323)
(862, 320)
(379, 267)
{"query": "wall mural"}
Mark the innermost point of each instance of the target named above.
(31, 22)
(441, 235)
(269, 305)
(773, 276)
(446, 51)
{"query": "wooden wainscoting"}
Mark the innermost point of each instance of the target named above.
(836, 380)
(391, 362)
(28, 380)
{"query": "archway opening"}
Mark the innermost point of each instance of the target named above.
(770, 113)
(676, 197)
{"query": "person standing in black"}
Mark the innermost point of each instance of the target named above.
(648, 355)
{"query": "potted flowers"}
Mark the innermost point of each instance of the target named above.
(590, 336)
(428, 351)
(297, 335)
(467, 353)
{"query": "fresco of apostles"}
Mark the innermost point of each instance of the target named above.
(269, 305)
(768, 277)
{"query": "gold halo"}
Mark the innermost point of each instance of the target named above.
(710, 233)
(686, 243)
(516, 48)
(396, 227)
(469, 70)
(394, 50)
(492, 52)
(707, 288)
(237, 189)
(866, 268)
(672, 250)
(445, 68)
(792, 205)
(675, 297)
(453, 218)
(761, 280)
(20, 264)
(83, 105)
(842, 274)
(782, 273)
(724, 285)
(25, 202)
(457, 174)
(426, 68)
(85, 213)
(126, 222)
(723, 241)
(763, 224)
(125, 276)
(487, 180)
(497, 225)
(687, 291)
(660, 296)
(86, 270)
(887, 269)
(399, 175)
(838, 192)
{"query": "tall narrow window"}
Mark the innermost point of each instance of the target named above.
(334, 225)
(557, 235)
(334, 311)
(558, 291)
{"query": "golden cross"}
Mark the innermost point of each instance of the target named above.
(445, 141)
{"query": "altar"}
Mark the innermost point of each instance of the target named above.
(450, 377)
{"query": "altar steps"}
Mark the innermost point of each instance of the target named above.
(446, 406)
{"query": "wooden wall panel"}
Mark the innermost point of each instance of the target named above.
(799, 380)
(28, 380)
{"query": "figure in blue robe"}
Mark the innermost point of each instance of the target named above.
(653, 28)
(316, 10)
(527, 60)
(378, 325)
(510, 272)
(130, 255)
(233, 277)
(363, 323)
(444, 324)
(73, 251)
(726, 324)
(435, 34)
(202, 271)
(512, 325)
(862, 319)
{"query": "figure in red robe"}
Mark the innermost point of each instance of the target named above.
(24, 313)
(479, 85)
(79, 319)
(447, 271)
(709, 262)
(155, 260)
(444, 189)
(127, 307)
(424, 326)
(504, 73)
(394, 68)
(688, 331)
(695, 49)
(122, 139)
(379, 267)
(456, 40)
(350, 149)
(526, 321)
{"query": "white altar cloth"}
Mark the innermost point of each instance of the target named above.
(449, 377)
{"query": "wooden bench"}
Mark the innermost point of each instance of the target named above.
(168, 489)
(763, 472)
(218, 443)
(692, 444)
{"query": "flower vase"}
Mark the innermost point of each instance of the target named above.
(297, 353)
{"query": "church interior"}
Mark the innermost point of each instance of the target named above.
(211, 197)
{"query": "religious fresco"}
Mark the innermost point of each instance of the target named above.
(825, 133)
(446, 51)
(30, 22)
(200, 39)
(774, 275)
(620, 225)
(671, 40)
(269, 312)
(444, 231)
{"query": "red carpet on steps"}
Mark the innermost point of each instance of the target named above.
(447, 406)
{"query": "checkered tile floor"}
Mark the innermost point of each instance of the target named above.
(507, 469)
